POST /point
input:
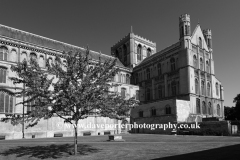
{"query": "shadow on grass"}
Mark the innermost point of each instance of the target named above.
(222, 153)
(50, 151)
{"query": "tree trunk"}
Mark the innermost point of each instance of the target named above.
(75, 139)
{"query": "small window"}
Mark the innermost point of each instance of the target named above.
(149, 52)
(209, 108)
(204, 108)
(201, 64)
(203, 87)
(148, 94)
(208, 89)
(140, 113)
(154, 112)
(168, 109)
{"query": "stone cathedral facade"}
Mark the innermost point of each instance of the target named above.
(177, 84)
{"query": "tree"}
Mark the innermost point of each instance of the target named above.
(237, 106)
(230, 113)
(72, 90)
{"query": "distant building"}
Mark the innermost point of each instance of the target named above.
(178, 83)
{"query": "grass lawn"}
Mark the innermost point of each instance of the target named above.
(136, 146)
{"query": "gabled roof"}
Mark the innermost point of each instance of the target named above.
(48, 43)
(196, 34)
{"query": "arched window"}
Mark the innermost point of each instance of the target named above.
(6, 103)
(33, 56)
(149, 52)
(154, 112)
(148, 94)
(139, 52)
(196, 86)
(137, 94)
(200, 42)
(128, 79)
(217, 89)
(207, 67)
(208, 89)
(3, 53)
(119, 77)
(198, 106)
(204, 108)
(159, 69)
(123, 92)
(13, 56)
(168, 109)
(23, 56)
(41, 61)
(201, 64)
(203, 87)
(50, 61)
(3, 75)
(172, 60)
(148, 73)
(160, 91)
(209, 108)
(195, 61)
(174, 88)
(218, 110)
(116, 53)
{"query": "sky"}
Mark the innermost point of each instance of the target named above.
(101, 23)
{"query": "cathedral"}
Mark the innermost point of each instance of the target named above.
(177, 84)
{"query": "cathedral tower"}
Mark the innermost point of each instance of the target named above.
(208, 38)
(132, 49)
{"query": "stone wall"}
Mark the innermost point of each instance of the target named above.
(56, 125)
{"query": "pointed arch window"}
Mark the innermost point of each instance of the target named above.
(208, 89)
(217, 89)
(23, 56)
(127, 79)
(139, 52)
(123, 92)
(203, 87)
(200, 42)
(33, 56)
(149, 52)
(3, 53)
(218, 110)
(204, 108)
(196, 86)
(198, 106)
(209, 108)
(13, 56)
(195, 64)
(207, 67)
(41, 61)
(173, 65)
(201, 64)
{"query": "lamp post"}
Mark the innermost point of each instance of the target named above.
(23, 110)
